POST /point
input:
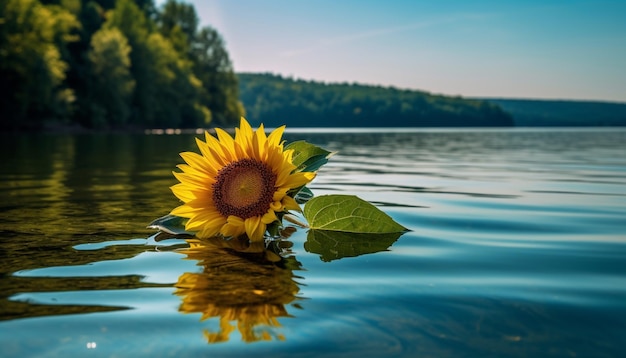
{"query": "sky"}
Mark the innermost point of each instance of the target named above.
(552, 49)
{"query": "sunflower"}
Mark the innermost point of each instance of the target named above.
(237, 185)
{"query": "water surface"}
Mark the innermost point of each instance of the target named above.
(517, 248)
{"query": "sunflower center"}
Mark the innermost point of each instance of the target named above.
(244, 188)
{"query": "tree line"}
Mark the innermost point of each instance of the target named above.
(563, 113)
(112, 64)
(276, 100)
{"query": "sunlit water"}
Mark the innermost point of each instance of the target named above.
(517, 248)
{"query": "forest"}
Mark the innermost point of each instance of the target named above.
(563, 113)
(109, 64)
(276, 100)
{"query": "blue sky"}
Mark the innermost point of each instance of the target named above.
(526, 49)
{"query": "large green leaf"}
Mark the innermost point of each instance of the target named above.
(333, 245)
(308, 157)
(348, 213)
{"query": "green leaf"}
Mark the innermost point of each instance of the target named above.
(348, 213)
(334, 245)
(170, 224)
(308, 157)
(313, 164)
(305, 194)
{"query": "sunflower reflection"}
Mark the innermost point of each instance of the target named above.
(244, 284)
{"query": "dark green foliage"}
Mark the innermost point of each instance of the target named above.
(275, 100)
(213, 68)
(32, 41)
(558, 113)
(111, 64)
(209, 59)
(111, 84)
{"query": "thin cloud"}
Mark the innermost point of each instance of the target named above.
(377, 32)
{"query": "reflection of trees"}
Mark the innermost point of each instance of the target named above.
(245, 285)
(9, 286)
(57, 254)
(61, 190)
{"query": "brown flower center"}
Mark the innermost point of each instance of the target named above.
(244, 188)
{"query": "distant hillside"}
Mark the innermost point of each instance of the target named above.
(275, 100)
(534, 113)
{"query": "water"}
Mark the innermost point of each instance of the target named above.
(517, 248)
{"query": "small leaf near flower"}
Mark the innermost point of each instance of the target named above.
(308, 157)
(305, 194)
(170, 224)
(348, 213)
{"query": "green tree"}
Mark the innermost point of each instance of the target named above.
(91, 17)
(167, 94)
(31, 66)
(111, 63)
(175, 90)
(131, 21)
(213, 67)
(275, 100)
(211, 63)
(111, 86)
(179, 15)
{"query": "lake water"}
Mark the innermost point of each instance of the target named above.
(517, 248)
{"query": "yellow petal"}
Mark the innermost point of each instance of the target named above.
(290, 203)
(244, 132)
(184, 211)
(280, 193)
(269, 217)
(234, 227)
(205, 222)
(240, 151)
(277, 206)
(254, 228)
(283, 176)
(259, 143)
(203, 146)
(207, 232)
(206, 177)
(276, 160)
(216, 151)
(182, 192)
(297, 180)
(191, 180)
(228, 144)
(220, 160)
(275, 137)
(288, 155)
(244, 126)
(197, 161)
